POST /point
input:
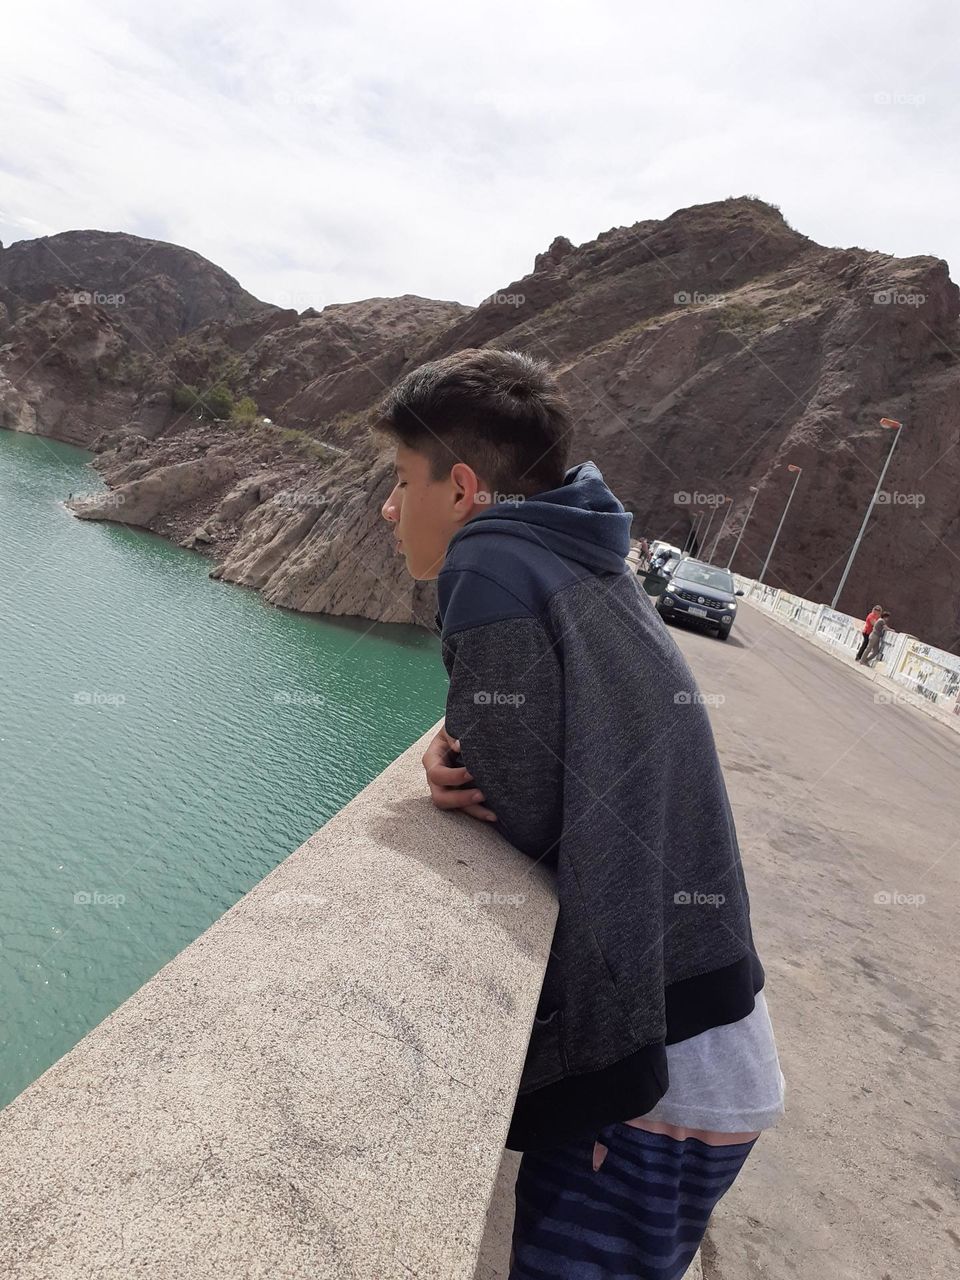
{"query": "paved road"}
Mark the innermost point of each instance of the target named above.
(839, 798)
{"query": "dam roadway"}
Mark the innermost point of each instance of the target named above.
(319, 1085)
(840, 797)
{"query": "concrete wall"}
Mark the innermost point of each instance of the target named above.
(909, 669)
(319, 1086)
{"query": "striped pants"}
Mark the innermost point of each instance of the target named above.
(641, 1216)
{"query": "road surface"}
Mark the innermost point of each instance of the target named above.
(839, 798)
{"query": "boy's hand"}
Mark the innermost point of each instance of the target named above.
(446, 780)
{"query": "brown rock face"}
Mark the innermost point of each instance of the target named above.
(158, 291)
(701, 354)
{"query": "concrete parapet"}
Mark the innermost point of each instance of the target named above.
(910, 672)
(319, 1086)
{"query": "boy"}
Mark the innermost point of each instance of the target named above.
(577, 727)
(875, 640)
(868, 625)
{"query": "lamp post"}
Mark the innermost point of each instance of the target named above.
(706, 532)
(754, 489)
(723, 525)
(688, 543)
(895, 426)
(799, 471)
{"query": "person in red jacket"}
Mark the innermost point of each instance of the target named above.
(870, 619)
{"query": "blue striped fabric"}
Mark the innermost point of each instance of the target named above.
(641, 1216)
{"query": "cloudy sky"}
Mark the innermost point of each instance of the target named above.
(322, 152)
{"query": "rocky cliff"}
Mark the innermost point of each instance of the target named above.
(702, 354)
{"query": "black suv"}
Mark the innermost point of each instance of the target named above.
(700, 593)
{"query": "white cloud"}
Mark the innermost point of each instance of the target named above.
(326, 152)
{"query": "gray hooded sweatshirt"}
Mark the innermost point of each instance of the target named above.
(582, 724)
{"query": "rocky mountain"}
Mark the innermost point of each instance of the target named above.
(158, 291)
(702, 353)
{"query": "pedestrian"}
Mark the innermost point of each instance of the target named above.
(870, 619)
(875, 642)
(651, 1069)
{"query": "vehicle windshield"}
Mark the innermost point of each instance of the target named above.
(704, 575)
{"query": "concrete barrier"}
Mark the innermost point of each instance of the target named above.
(909, 670)
(319, 1086)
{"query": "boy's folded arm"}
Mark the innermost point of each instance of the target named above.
(505, 705)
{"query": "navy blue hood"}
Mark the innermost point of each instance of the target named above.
(581, 521)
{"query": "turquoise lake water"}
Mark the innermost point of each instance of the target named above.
(165, 740)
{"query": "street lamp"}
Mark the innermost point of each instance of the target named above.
(799, 471)
(723, 525)
(688, 542)
(895, 426)
(706, 532)
(754, 489)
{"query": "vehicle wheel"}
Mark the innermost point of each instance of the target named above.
(723, 633)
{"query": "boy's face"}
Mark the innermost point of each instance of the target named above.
(427, 513)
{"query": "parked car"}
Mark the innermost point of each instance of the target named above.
(658, 548)
(700, 593)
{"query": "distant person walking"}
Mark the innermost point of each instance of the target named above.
(868, 625)
(875, 640)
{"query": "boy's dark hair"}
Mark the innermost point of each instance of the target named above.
(500, 412)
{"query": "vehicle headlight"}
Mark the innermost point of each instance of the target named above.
(732, 605)
(670, 587)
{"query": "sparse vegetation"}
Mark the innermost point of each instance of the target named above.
(745, 318)
(348, 423)
(245, 410)
(210, 362)
(306, 444)
(214, 403)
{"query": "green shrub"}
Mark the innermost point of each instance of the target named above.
(215, 402)
(218, 401)
(245, 410)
